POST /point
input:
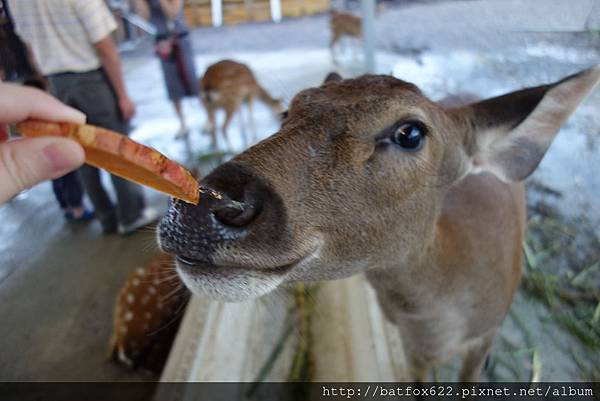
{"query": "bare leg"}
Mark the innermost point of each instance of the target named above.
(182, 125)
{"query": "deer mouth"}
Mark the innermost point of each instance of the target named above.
(231, 282)
(199, 267)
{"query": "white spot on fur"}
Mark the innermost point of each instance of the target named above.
(130, 298)
(123, 357)
(128, 316)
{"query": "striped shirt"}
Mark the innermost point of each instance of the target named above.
(61, 33)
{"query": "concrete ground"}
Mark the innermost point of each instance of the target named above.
(58, 281)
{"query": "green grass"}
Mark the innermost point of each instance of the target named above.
(562, 270)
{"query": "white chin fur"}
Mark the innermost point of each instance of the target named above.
(234, 287)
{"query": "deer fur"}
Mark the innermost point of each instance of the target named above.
(147, 312)
(227, 85)
(437, 231)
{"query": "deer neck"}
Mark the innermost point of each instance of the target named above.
(411, 284)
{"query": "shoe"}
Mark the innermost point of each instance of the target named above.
(87, 215)
(149, 215)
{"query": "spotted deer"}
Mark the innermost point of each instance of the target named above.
(367, 175)
(227, 85)
(146, 315)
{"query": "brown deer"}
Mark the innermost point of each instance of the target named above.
(368, 175)
(227, 85)
(341, 24)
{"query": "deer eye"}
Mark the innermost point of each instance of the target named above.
(410, 136)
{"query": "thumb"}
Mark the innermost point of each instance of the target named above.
(26, 162)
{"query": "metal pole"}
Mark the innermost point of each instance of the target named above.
(275, 10)
(216, 11)
(368, 29)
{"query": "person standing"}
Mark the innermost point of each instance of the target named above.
(67, 189)
(16, 59)
(174, 49)
(71, 42)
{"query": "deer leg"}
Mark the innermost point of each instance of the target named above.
(475, 359)
(210, 125)
(332, 43)
(243, 130)
(230, 110)
(251, 123)
(418, 369)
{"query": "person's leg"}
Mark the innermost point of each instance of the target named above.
(183, 130)
(130, 200)
(175, 91)
(105, 210)
(67, 89)
(57, 187)
(95, 97)
(63, 195)
(73, 190)
(73, 196)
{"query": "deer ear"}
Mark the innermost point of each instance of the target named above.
(508, 135)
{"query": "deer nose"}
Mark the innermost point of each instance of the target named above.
(237, 206)
(233, 213)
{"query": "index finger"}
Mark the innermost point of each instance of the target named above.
(18, 103)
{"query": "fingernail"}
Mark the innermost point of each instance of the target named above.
(57, 157)
(79, 116)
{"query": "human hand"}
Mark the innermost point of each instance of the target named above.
(127, 108)
(26, 162)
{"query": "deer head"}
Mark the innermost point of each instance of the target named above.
(354, 180)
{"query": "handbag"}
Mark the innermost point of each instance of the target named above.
(164, 47)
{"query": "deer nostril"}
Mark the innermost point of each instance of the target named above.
(234, 214)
